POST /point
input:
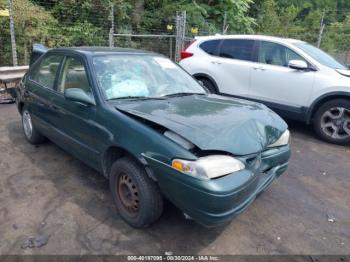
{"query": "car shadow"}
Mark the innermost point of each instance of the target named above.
(98, 227)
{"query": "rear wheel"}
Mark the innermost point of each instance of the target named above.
(136, 196)
(332, 121)
(30, 132)
(207, 84)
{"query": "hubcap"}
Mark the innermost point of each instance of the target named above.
(128, 194)
(335, 123)
(27, 124)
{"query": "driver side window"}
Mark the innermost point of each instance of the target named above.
(74, 76)
(276, 54)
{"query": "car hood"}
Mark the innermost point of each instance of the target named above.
(212, 122)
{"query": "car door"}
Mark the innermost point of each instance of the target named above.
(73, 120)
(232, 66)
(284, 89)
(39, 88)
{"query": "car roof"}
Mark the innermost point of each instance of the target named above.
(102, 50)
(254, 37)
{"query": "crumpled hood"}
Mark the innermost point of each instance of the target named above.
(213, 122)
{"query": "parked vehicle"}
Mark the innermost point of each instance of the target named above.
(292, 77)
(153, 131)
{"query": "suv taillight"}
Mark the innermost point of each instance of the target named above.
(184, 54)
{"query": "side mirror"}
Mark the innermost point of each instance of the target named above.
(298, 64)
(78, 95)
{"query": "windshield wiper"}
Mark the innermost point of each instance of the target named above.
(135, 97)
(183, 94)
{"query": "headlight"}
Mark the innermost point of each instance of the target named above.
(283, 140)
(209, 166)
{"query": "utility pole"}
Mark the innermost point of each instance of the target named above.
(12, 32)
(224, 26)
(111, 30)
(322, 25)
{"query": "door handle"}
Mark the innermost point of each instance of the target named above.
(53, 107)
(261, 68)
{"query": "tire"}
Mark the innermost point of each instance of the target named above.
(332, 121)
(208, 84)
(30, 132)
(137, 197)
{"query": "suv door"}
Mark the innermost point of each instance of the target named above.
(76, 121)
(232, 66)
(39, 88)
(284, 89)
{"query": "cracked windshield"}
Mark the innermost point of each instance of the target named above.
(128, 76)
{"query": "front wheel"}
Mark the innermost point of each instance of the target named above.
(30, 132)
(207, 84)
(136, 196)
(332, 121)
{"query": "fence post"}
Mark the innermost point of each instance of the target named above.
(224, 25)
(111, 30)
(13, 38)
(171, 48)
(180, 23)
(322, 25)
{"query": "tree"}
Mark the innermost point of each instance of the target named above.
(32, 24)
(337, 39)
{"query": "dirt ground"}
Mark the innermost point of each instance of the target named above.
(46, 192)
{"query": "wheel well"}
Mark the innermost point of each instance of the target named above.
(114, 153)
(208, 78)
(321, 101)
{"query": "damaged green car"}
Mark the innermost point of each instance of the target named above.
(153, 131)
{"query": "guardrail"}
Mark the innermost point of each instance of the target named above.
(10, 76)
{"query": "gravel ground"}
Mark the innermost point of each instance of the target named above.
(46, 193)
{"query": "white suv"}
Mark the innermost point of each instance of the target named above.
(294, 78)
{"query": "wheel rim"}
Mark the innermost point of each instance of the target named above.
(128, 194)
(27, 124)
(335, 123)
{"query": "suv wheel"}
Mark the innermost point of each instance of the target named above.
(30, 132)
(332, 121)
(136, 196)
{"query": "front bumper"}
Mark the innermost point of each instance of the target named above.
(216, 201)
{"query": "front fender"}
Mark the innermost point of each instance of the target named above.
(325, 96)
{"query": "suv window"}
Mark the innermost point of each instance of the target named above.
(74, 76)
(210, 46)
(276, 54)
(45, 73)
(237, 49)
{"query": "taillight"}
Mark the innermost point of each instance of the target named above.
(184, 54)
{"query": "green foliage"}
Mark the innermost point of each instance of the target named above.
(87, 22)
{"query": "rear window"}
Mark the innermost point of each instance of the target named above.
(237, 49)
(210, 47)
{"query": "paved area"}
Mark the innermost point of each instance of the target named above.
(46, 192)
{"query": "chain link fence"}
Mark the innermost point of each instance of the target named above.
(169, 38)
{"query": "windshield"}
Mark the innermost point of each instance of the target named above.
(142, 76)
(320, 56)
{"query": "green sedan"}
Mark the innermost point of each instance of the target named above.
(153, 132)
